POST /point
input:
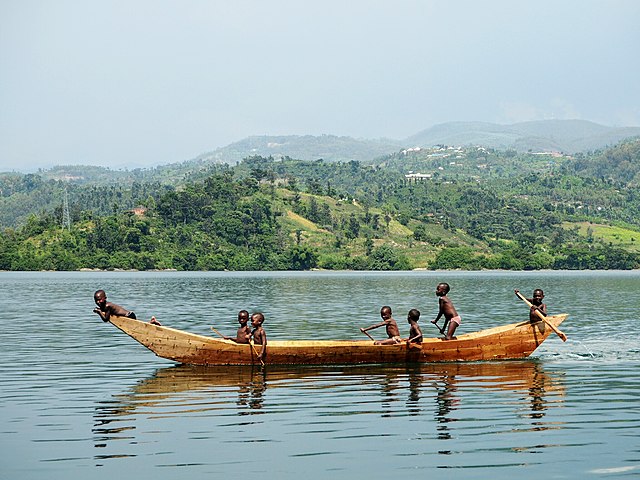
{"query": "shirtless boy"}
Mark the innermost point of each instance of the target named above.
(258, 334)
(536, 301)
(448, 310)
(106, 309)
(390, 325)
(415, 334)
(243, 335)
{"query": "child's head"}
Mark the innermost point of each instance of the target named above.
(538, 295)
(442, 289)
(385, 312)
(99, 297)
(243, 317)
(257, 319)
(413, 315)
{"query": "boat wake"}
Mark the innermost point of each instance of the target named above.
(602, 351)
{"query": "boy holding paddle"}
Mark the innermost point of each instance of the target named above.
(391, 326)
(243, 335)
(536, 304)
(259, 336)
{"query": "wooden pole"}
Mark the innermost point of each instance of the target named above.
(217, 332)
(256, 352)
(365, 332)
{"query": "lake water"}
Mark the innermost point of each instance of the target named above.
(79, 399)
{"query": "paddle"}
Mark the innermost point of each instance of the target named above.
(218, 333)
(562, 336)
(256, 352)
(250, 343)
(365, 332)
(443, 330)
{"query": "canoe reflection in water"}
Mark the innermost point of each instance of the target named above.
(195, 391)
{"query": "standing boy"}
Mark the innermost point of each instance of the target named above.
(243, 335)
(447, 309)
(258, 335)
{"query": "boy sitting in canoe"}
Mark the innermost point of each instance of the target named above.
(391, 326)
(258, 335)
(537, 304)
(447, 309)
(243, 335)
(106, 309)
(415, 334)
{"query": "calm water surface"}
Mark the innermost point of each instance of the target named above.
(79, 399)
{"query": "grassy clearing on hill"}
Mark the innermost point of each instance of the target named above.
(616, 235)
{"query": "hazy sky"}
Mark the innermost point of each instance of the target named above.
(148, 82)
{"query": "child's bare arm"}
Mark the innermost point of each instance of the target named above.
(415, 335)
(440, 311)
(373, 326)
(101, 313)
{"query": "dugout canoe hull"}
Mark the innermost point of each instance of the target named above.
(513, 341)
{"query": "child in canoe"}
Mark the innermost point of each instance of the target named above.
(258, 335)
(243, 335)
(536, 302)
(106, 309)
(415, 334)
(390, 325)
(447, 309)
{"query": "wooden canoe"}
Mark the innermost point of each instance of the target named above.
(516, 340)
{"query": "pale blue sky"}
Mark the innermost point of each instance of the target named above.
(147, 82)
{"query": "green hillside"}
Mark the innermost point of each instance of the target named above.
(437, 208)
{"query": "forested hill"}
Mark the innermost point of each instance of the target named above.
(437, 208)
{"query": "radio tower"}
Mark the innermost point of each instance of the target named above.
(66, 218)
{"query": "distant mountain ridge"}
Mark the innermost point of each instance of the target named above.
(304, 147)
(568, 136)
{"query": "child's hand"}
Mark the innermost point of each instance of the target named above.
(434, 321)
